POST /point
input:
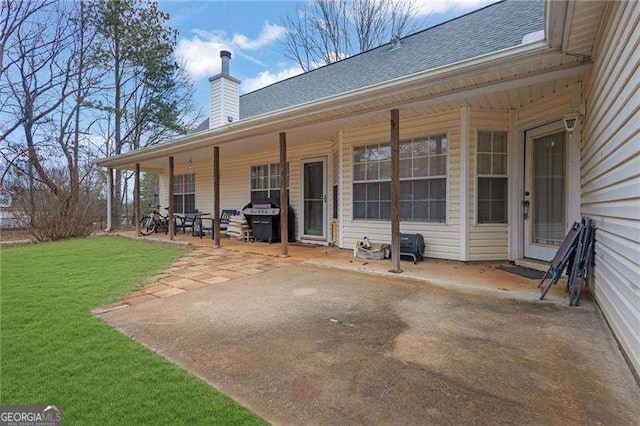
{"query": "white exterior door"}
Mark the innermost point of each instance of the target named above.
(314, 198)
(546, 183)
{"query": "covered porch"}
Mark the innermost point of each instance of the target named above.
(312, 151)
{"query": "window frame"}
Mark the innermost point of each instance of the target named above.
(269, 175)
(479, 176)
(432, 133)
(182, 193)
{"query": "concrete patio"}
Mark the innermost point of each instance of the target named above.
(312, 344)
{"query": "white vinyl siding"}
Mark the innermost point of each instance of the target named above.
(442, 239)
(225, 102)
(610, 171)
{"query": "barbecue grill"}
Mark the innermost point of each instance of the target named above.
(264, 218)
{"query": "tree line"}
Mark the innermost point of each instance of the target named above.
(80, 81)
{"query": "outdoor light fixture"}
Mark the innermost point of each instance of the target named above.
(229, 119)
(571, 120)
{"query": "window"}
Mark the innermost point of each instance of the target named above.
(423, 180)
(491, 169)
(184, 193)
(265, 182)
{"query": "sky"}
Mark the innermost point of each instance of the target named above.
(252, 31)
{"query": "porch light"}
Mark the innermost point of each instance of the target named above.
(570, 120)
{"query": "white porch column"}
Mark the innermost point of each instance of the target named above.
(465, 141)
(109, 198)
(136, 199)
(515, 186)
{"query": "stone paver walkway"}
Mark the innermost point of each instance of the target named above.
(202, 267)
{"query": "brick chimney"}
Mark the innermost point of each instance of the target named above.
(225, 95)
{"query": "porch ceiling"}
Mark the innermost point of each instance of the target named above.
(495, 88)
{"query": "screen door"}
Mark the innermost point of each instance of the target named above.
(314, 198)
(546, 186)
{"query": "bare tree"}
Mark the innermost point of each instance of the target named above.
(43, 89)
(36, 84)
(71, 71)
(323, 31)
(13, 14)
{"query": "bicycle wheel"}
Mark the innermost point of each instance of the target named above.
(147, 225)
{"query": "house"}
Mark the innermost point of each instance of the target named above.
(10, 216)
(514, 121)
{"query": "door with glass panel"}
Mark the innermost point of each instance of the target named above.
(314, 206)
(545, 196)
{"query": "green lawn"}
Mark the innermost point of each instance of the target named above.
(53, 351)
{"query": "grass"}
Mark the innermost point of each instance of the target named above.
(54, 352)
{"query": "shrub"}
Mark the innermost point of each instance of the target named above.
(50, 216)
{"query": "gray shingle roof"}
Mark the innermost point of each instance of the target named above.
(202, 126)
(495, 27)
(487, 30)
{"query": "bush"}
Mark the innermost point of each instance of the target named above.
(50, 216)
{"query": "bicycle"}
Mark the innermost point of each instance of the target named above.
(154, 222)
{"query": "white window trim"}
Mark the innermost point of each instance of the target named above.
(185, 193)
(269, 188)
(477, 175)
(447, 177)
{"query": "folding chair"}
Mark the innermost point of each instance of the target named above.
(581, 267)
(560, 260)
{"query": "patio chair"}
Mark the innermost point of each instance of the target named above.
(225, 215)
(188, 221)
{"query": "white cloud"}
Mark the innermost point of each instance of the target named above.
(268, 34)
(434, 7)
(266, 78)
(201, 56)
(201, 53)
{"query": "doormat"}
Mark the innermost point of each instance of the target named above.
(532, 274)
